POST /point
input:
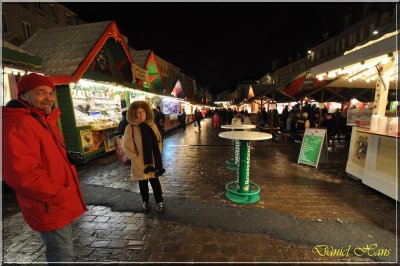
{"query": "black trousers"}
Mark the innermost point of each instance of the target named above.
(144, 189)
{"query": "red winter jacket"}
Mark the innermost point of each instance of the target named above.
(36, 167)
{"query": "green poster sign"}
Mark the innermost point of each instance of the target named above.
(313, 142)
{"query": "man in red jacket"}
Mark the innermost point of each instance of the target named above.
(36, 166)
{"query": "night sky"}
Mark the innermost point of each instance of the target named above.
(222, 43)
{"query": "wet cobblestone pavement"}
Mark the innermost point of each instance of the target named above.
(300, 207)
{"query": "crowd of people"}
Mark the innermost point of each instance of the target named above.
(296, 120)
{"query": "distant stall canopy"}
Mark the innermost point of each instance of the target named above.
(269, 92)
(177, 91)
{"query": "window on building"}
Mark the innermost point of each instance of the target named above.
(68, 17)
(337, 46)
(354, 38)
(384, 19)
(27, 30)
(350, 40)
(317, 55)
(362, 34)
(39, 8)
(53, 10)
(372, 28)
(324, 52)
(343, 43)
(5, 28)
(26, 5)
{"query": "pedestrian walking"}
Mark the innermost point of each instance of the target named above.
(198, 116)
(36, 166)
(143, 144)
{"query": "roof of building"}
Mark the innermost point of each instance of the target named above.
(64, 49)
(141, 57)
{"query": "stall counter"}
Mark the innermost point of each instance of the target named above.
(373, 160)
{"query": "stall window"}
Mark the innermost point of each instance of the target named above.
(27, 30)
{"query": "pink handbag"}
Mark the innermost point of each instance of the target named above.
(120, 152)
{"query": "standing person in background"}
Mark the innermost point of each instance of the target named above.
(230, 116)
(237, 120)
(36, 166)
(198, 116)
(216, 120)
(247, 120)
(183, 119)
(122, 124)
(330, 124)
(159, 119)
(285, 116)
(143, 144)
(264, 116)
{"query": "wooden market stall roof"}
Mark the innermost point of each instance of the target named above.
(140, 57)
(68, 52)
(16, 56)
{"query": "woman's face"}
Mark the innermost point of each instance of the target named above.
(140, 114)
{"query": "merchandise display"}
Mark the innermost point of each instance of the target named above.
(170, 107)
(99, 107)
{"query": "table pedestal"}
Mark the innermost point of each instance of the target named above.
(242, 190)
(232, 164)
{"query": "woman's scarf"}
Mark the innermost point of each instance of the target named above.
(150, 151)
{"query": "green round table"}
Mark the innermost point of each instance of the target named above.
(242, 190)
(232, 164)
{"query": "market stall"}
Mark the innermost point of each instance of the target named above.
(373, 153)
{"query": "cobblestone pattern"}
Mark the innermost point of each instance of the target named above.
(102, 235)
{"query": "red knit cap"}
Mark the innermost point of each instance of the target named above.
(31, 81)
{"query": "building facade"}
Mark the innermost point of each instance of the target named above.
(372, 25)
(22, 20)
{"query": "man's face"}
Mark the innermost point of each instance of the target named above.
(42, 97)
